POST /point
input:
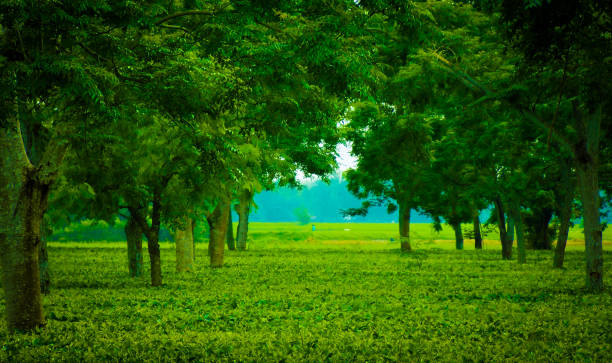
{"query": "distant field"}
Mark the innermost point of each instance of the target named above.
(325, 296)
(422, 234)
(375, 235)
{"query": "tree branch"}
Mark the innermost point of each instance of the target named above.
(177, 27)
(528, 114)
(191, 12)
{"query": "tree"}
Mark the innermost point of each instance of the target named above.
(390, 149)
(231, 242)
(566, 43)
(50, 87)
(133, 235)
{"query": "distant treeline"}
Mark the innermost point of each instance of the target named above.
(323, 202)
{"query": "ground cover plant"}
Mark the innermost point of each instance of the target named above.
(329, 295)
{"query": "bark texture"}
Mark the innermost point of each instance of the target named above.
(477, 234)
(24, 191)
(404, 228)
(587, 178)
(503, 235)
(587, 162)
(458, 236)
(243, 208)
(183, 239)
(152, 234)
(155, 258)
(43, 265)
(231, 242)
(133, 235)
(217, 221)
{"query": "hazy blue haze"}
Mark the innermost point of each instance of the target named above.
(322, 201)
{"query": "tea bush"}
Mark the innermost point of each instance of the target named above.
(318, 300)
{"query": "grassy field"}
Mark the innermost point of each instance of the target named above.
(330, 295)
(274, 235)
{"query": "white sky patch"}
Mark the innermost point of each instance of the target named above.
(344, 159)
(307, 181)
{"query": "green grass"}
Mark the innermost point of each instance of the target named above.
(270, 235)
(328, 295)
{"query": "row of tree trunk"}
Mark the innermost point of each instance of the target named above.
(220, 233)
(506, 226)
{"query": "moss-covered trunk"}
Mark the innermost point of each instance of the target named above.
(24, 191)
(43, 266)
(217, 221)
(503, 235)
(133, 235)
(20, 237)
(243, 208)
(589, 189)
(183, 239)
(458, 236)
(231, 242)
(587, 167)
(477, 234)
(404, 228)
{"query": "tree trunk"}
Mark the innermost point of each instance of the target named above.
(589, 188)
(477, 235)
(565, 213)
(587, 162)
(43, 265)
(243, 209)
(155, 258)
(133, 235)
(218, 231)
(511, 228)
(520, 236)
(503, 235)
(541, 239)
(23, 200)
(458, 236)
(24, 192)
(193, 226)
(183, 239)
(404, 228)
(152, 234)
(231, 243)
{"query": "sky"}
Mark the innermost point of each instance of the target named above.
(344, 159)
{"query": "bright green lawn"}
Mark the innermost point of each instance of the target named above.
(326, 297)
(422, 235)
